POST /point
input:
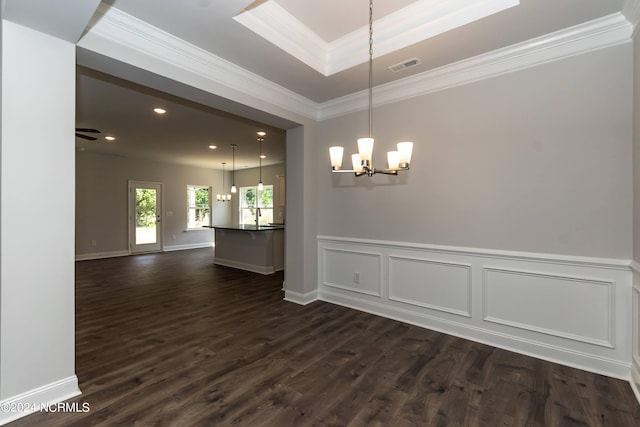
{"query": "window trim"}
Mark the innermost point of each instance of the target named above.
(189, 207)
(240, 201)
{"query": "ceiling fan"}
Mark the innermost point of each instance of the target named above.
(81, 131)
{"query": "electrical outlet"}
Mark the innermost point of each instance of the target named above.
(356, 277)
(94, 243)
(173, 237)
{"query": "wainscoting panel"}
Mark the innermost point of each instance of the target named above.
(353, 271)
(571, 310)
(437, 285)
(575, 308)
(635, 363)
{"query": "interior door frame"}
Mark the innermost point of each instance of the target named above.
(159, 216)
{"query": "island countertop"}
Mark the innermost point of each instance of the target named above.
(248, 227)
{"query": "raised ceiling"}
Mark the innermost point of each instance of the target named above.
(182, 135)
(214, 26)
(330, 52)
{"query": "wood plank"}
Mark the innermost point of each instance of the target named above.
(173, 340)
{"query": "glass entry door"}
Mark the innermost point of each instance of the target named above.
(145, 215)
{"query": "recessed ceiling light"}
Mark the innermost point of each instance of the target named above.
(262, 156)
(213, 147)
(262, 133)
(110, 138)
(159, 110)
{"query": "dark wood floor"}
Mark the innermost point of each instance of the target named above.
(173, 340)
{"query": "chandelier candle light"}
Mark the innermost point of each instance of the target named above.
(361, 161)
(223, 197)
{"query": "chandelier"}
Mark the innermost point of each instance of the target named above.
(361, 161)
(223, 197)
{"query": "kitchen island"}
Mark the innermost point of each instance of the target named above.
(248, 247)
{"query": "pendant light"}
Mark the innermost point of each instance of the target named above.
(361, 161)
(233, 171)
(223, 197)
(261, 136)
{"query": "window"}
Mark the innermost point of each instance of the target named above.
(250, 199)
(198, 206)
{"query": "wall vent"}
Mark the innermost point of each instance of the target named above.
(405, 64)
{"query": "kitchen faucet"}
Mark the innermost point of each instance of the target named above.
(258, 215)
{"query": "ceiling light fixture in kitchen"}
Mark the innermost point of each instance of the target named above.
(261, 136)
(223, 197)
(233, 171)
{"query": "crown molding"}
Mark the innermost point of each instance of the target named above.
(631, 11)
(414, 23)
(119, 30)
(597, 34)
(115, 27)
(274, 24)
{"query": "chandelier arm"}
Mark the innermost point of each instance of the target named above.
(387, 171)
(373, 171)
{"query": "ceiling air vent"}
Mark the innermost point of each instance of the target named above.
(405, 64)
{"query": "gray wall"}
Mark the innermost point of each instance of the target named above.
(636, 146)
(635, 365)
(36, 312)
(301, 248)
(536, 160)
(101, 201)
(250, 178)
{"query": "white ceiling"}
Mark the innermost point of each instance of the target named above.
(183, 135)
(322, 19)
(122, 108)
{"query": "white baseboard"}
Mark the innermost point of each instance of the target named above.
(635, 360)
(302, 299)
(101, 255)
(571, 310)
(34, 400)
(170, 248)
(244, 266)
(116, 254)
(635, 381)
(540, 350)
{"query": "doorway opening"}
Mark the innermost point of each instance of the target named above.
(145, 215)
